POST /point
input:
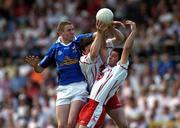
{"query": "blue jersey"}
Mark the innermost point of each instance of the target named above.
(67, 58)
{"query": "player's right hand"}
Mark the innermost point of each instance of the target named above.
(100, 26)
(32, 60)
(132, 25)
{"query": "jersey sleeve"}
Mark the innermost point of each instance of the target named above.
(86, 60)
(49, 57)
(109, 43)
(90, 68)
(81, 36)
(125, 66)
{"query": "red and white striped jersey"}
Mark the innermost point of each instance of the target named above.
(110, 81)
(90, 68)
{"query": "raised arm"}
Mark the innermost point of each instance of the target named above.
(116, 38)
(99, 38)
(128, 43)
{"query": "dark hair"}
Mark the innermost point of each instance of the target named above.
(119, 51)
(84, 42)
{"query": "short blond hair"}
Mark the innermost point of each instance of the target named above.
(60, 27)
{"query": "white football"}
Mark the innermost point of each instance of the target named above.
(105, 15)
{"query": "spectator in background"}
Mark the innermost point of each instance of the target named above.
(166, 64)
(18, 81)
(21, 22)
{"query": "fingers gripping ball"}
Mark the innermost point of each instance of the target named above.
(105, 15)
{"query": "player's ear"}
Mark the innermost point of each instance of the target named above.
(59, 33)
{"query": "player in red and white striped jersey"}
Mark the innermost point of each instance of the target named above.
(93, 112)
(91, 64)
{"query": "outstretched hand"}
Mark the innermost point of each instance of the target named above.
(100, 26)
(113, 26)
(118, 23)
(32, 60)
(132, 25)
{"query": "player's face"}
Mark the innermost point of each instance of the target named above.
(87, 50)
(68, 33)
(113, 58)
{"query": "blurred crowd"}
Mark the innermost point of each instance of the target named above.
(151, 91)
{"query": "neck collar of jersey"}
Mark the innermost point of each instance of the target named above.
(59, 41)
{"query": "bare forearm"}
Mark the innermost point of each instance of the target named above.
(129, 41)
(38, 69)
(127, 48)
(104, 54)
(119, 37)
(94, 35)
(103, 51)
(96, 45)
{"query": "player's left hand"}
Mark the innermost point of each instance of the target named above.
(32, 60)
(132, 25)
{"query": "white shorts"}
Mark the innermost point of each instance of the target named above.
(74, 91)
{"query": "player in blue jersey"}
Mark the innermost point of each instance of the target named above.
(72, 89)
